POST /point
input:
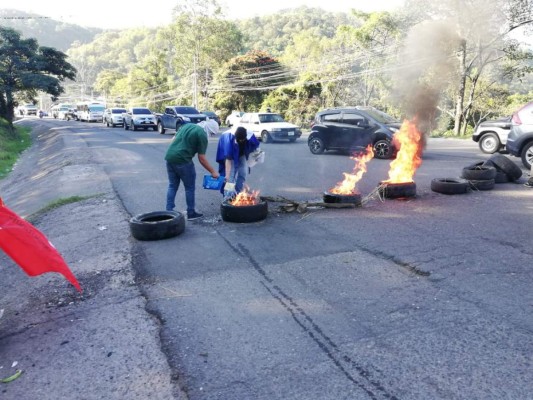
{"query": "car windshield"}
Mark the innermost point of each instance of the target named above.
(209, 113)
(380, 116)
(141, 111)
(96, 108)
(263, 118)
(118, 110)
(186, 110)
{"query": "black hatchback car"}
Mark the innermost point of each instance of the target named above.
(353, 129)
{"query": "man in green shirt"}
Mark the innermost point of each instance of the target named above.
(190, 139)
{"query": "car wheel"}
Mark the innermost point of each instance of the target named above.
(527, 155)
(252, 213)
(316, 145)
(449, 185)
(382, 149)
(133, 127)
(157, 225)
(265, 137)
(160, 128)
(126, 127)
(504, 164)
(489, 143)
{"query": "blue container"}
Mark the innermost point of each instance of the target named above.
(212, 183)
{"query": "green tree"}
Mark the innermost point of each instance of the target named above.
(197, 42)
(27, 68)
(244, 81)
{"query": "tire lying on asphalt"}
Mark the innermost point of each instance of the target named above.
(449, 185)
(478, 172)
(505, 165)
(252, 213)
(487, 184)
(157, 225)
(397, 190)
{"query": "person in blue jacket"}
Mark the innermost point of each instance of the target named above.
(233, 151)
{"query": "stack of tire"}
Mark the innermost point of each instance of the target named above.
(481, 175)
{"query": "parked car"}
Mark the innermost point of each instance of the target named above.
(492, 134)
(351, 129)
(173, 115)
(269, 127)
(520, 139)
(139, 117)
(113, 116)
(212, 115)
(234, 118)
(28, 109)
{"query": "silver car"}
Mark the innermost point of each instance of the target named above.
(492, 135)
(113, 116)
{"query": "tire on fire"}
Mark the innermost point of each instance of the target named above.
(449, 185)
(249, 213)
(354, 198)
(397, 190)
(157, 225)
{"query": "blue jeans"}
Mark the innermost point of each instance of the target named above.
(177, 173)
(238, 177)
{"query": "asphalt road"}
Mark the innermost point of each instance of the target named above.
(427, 298)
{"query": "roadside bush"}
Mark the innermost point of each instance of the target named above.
(13, 141)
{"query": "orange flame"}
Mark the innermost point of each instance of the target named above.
(409, 141)
(348, 185)
(245, 198)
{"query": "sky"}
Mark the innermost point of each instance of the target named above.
(109, 14)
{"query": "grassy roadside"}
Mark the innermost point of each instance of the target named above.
(13, 141)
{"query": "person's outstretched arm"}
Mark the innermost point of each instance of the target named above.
(203, 160)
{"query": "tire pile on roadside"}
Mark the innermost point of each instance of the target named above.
(482, 175)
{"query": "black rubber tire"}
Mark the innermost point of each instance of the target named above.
(487, 184)
(133, 127)
(160, 128)
(265, 137)
(383, 149)
(478, 173)
(397, 190)
(449, 185)
(354, 198)
(252, 213)
(501, 177)
(126, 127)
(504, 164)
(527, 155)
(316, 145)
(157, 225)
(489, 143)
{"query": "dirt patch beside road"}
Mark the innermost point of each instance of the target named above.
(101, 344)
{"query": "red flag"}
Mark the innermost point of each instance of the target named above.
(29, 248)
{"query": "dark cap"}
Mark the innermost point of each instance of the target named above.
(240, 134)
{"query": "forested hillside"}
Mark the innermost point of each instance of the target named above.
(458, 60)
(47, 31)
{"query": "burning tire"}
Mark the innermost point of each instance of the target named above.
(449, 185)
(354, 198)
(397, 190)
(383, 149)
(505, 165)
(487, 184)
(157, 225)
(478, 173)
(248, 213)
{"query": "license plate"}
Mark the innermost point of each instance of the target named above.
(291, 133)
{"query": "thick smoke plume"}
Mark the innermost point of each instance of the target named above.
(427, 63)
